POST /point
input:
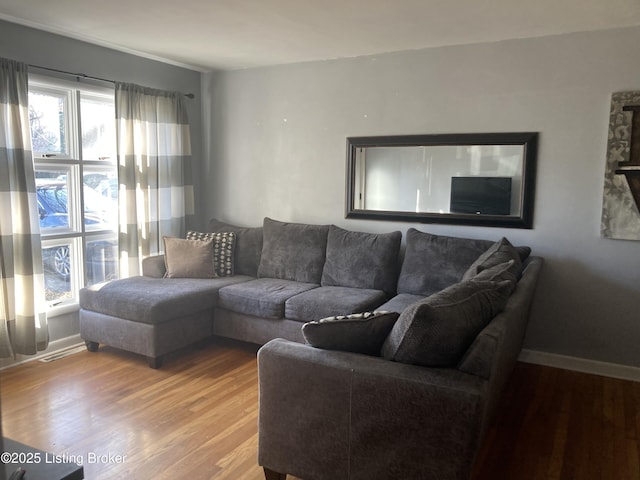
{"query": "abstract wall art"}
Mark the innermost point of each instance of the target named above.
(621, 199)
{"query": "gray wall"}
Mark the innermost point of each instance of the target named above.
(275, 140)
(48, 50)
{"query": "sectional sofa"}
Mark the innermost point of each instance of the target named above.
(373, 364)
(268, 282)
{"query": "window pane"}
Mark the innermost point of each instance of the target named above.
(47, 112)
(105, 182)
(100, 199)
(52, 193)
(102, 260)
(57, 272)
(98, 128)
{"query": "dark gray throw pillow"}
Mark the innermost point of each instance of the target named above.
(523, 252)
(433, 262)
(362, 260)
(359, 333)
(437, 331)
(248, 247)
(293, 251)
(500, 252)
(499, 273)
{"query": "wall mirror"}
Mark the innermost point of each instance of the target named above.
(469, 179)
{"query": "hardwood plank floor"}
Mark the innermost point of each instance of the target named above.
(196, 418)
(558, 424)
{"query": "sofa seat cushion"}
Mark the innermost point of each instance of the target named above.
(154, 300)
(362, 260)
(262, 297)
(400, 302)
(332, 301)
(434, 262)
(293, 251)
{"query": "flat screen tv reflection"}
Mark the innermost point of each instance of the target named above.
(481, 195)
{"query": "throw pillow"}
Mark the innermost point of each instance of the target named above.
(223, 247)
(293, 251)
(248, 247)
(359, 333)
(523, 252)
(188, 258)
(437, 331)
(362, 260)
(499, 273)
(500, 252)
(433, 262)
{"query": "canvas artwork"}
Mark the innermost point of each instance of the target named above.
(621, 199)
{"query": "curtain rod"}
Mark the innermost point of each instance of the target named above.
(88, 77)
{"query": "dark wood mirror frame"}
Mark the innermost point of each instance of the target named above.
(521, 219)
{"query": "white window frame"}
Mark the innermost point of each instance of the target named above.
(77, 235)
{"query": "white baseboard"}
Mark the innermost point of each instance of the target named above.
(584, 365)
(55, 346)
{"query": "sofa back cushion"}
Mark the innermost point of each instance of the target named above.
(248, 246)
(433, 262)
(293, 251)
(437, 331)
(362, 260)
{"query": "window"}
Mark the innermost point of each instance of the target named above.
(74, 145)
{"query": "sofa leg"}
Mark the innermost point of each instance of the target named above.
(271, 475)
(92, 346)
(154, 362)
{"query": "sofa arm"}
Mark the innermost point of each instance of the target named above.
(339, 415)
(154, 266)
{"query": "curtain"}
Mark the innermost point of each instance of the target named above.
(154, 172)
(23, 321)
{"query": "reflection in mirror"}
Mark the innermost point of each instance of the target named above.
(479, 179)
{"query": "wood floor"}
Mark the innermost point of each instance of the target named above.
(196, 418)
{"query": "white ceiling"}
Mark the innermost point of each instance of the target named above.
(231, 34)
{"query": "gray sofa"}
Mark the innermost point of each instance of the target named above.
(404, 392)
(283, 275)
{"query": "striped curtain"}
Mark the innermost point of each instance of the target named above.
(154, 171)
(23, 321)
